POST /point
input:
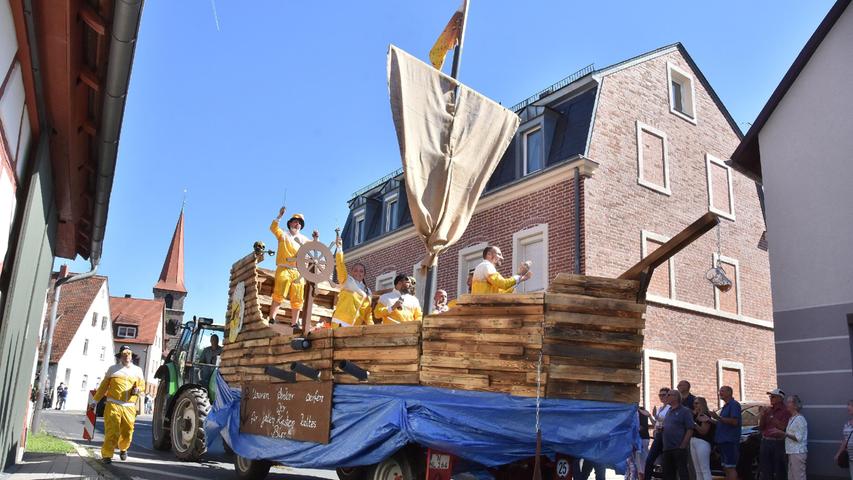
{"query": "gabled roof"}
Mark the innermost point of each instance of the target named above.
(172, 274)
(747, 156)
(75, 300)
(143, 313)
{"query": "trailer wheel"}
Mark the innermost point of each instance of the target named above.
(352, 473)
(159, 431)
(251, 469)
(400, 466)
(189, 441)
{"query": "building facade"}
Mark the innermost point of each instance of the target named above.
(140, 324)
(606, 166)
(799, 147)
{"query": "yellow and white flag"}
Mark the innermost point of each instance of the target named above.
(449, 38)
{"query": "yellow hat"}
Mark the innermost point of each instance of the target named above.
(299, 218)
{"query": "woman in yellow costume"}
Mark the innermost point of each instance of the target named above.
(287, 279)
(353, 307)
(121, 385)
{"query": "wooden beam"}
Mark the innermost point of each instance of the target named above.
(93, 20)
(89, 77)
(676, 244)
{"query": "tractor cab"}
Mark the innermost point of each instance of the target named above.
(196, 356)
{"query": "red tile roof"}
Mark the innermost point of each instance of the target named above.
(172, 275)
(143, 313)
(75, 299)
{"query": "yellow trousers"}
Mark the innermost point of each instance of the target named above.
(118, 428)
(288, 282)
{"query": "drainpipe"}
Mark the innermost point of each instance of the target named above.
(45, 359)
(577, 269)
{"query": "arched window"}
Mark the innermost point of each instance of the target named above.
(169, 300)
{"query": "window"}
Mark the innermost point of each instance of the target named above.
(391, 212)
(660, 369)
(420, 275)
(358, 227)
(103, 353)
(681, 93)
(531, 244)
(86, 347)
(533, 150)
(469, 258)
(67, 376)
(652, 159)
(663, 279)
(85, 383)
(385, 281)
(728, 301)
(104, 322)
(94, 319)
(169, 300)
(731, 374)
(126, 332)
(720, 194)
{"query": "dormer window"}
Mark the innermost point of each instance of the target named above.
(391, 210)
(358, 227)
(533, 150)
(126, 332)
(681, 93)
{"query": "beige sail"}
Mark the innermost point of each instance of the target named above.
(449, 146)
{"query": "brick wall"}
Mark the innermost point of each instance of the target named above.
(618, 209)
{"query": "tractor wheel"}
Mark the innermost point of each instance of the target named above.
(351, 473)
(189, 442)
(251, 469)
(159, 431)
(400, 466)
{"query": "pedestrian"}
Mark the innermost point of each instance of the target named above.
(772, 464)
(846, 447)
(727, 435)
(121, 386)
(61, 394)
(687, 398)
(439, 302)
(703, 438)
(677, 431)
(353, 307)
(658, 415)
(488, 280)
(642, 454)
(398, 306)
(288, 282)
(796, 436)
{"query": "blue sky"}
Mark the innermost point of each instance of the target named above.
(292, 96)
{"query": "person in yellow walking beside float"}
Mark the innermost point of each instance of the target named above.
(353, 307)
(121, 385)
(287, 279)
(488, 280)
(398, 306)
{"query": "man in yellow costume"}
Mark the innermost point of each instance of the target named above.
(287, 279)
(487, 279)
(121, 385)
(353, 307)
(398, 306)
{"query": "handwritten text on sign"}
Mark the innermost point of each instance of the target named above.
(297, 411)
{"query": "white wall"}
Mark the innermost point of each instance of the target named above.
(89, 364)
(807, 166)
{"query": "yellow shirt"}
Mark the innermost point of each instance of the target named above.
(353, 307)
(118, 382)
(411, 311)
(488, 280)
(288, 245)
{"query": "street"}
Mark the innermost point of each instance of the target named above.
(143, 462)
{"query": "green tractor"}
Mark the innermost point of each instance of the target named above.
(186, 390)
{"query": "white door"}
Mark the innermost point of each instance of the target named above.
(533, 247)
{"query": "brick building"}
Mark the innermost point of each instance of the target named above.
(607, 165)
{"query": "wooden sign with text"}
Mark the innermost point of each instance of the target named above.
(296, 411)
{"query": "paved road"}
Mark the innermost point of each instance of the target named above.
(146, 463)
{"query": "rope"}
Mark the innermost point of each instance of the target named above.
(719, 245)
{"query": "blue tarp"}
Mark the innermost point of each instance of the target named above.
(371, 422)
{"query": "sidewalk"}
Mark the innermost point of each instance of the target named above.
(76, 465)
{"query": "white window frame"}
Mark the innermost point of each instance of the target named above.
(649, 354)
(461, 270)
(540, 230)
(524, 135)
(730, 365)
(356, 216)
(646, 235)
(84, 385)
(387, 221)
(85, 347)
(103, 353)
(664, 189)
(94, 319)
(709, 160)
(384, 277)
(738, 286)
(127, 329)
(104, 322)
(670, 68)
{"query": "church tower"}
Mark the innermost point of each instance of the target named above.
(170, 286)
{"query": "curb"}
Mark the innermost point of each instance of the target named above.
(93, 462)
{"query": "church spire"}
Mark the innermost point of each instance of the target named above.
(172, 275)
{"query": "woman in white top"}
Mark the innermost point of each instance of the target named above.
(796, 439)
